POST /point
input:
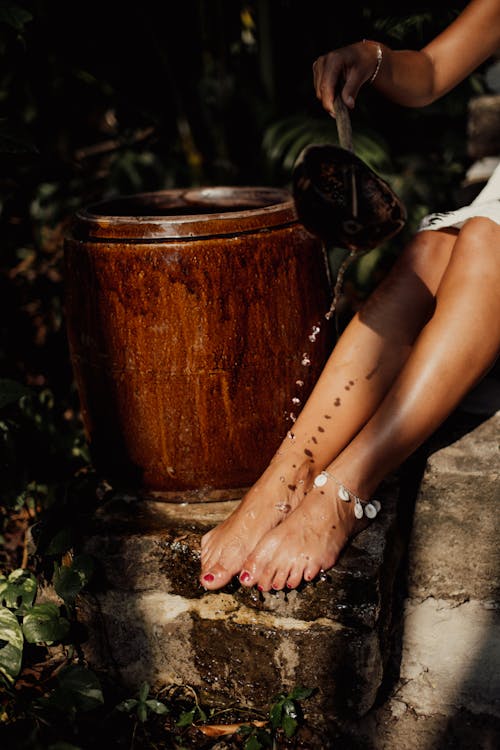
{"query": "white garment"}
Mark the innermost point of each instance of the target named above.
(487, 203)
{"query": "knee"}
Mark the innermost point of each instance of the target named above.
(427, 256)
(424, 247)
(478, 245)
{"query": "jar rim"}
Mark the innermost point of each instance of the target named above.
(186, 213)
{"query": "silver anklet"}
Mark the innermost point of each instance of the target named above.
(370, 508)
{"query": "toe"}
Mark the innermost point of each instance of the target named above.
(295, 576)
(215, 577)
(246, 577)
(280, 579)
(311, 571)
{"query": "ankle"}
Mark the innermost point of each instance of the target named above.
(363, 505)
(292, 469)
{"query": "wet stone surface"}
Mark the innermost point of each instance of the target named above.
(153, 621)
(146, 545)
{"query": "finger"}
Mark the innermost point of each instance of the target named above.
(354, 80)
(328, 72)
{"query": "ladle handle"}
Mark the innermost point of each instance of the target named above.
(343, 120)
(344, 131)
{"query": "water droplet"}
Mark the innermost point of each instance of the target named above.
(305, 360)
(282, 479)
(283, 507)
(290, 435)
(293, 417)
(295, 400)
(300, 383)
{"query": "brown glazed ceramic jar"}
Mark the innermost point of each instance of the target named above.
(188, 313)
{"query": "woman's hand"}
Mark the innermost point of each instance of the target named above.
(343, 71)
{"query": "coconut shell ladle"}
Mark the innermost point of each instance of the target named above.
(339, 198)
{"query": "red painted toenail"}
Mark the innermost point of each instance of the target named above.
(245, 576)
(209, 577)
(261, 588)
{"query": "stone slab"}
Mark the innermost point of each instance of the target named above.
(454, 551)
(451, 657)
(472, 446)
(146, 545)
(232, 653)
(151, 619)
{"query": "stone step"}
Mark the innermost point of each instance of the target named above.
(451, 648)
(153, 621)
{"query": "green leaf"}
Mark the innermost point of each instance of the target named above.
(10, 390)
(128, 705)
(11, 645)
(289, 725)
(18, 591)
(144, 692)
(157, 706)
(70, 580)
(82, 686)
(253, 743)
(44, 624)
(142, 712)
(275, 714)
(186, 718)
(290, 708)
(301, 693)
(245, 729)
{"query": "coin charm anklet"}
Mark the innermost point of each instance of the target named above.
(370, 508)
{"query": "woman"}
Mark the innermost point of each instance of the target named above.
(424, 338)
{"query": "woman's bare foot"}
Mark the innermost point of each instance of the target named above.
(308, 541)
(275, 495)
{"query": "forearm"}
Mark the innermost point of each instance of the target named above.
(412, 78)
(407, 77)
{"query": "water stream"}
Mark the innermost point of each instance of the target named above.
(316, 329)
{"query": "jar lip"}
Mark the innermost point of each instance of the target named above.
(189, 213)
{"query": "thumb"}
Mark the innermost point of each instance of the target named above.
(352, 85)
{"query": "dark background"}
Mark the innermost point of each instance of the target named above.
(103, 99)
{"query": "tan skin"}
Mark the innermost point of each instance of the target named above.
(424, 338)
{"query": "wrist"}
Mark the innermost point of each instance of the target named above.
(379, 58)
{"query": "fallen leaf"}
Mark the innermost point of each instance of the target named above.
(218, 730)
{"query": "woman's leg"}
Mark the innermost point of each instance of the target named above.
(361, 369)
(454, 350)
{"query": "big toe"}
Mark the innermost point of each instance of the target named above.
(215, 577)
